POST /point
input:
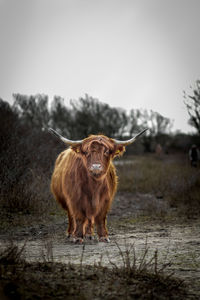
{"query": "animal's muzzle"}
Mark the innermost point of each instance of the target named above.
(96, 169)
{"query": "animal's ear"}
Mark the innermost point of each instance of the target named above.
(119, 150)
(76, 148)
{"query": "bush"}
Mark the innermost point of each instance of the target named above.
(27, 156)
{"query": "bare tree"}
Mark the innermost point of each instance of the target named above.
(93, 116)
(62, 118)
(192, 103)
(32, 110)
(144, 118)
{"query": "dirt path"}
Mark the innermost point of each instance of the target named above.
(177, 243)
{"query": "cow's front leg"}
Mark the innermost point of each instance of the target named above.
(79, 232)
(101, 229)
(89, 231)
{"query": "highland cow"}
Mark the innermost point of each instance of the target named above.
(84, 182)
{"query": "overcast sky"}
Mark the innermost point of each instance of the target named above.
(127, 53)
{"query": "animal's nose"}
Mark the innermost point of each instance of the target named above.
(96, 168)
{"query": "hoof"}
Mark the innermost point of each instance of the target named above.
(78, 240)
(104, 239)
(70, 237)
(89, 237)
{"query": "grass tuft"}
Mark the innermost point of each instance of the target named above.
(12, 255)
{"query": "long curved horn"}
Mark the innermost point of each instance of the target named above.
(128, 142)
(64, 140)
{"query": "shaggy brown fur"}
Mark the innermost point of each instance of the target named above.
(84, 192)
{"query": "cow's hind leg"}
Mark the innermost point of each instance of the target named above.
(71, 225)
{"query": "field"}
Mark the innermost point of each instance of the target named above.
(154, 229)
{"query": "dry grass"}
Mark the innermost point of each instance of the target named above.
(136, 265)
(172, 179)
(12, 255)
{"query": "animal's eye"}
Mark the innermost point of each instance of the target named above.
(107, 152)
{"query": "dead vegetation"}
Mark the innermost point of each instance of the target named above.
(50, 280)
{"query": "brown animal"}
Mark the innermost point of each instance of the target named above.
(84, 182)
